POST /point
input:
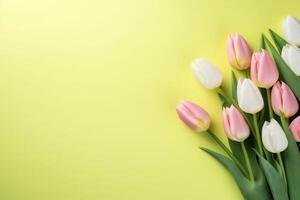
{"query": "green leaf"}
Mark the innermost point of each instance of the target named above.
(264, 114)
(233, 86)
(291, 158)
(223, 101)
(237, 151)
(279, 41)
(275, 180)
(262, 43)
(286, 73)
(257, 190)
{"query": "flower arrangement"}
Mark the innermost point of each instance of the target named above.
(259, 114)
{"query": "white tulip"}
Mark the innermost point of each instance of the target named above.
(291, 55)
(291, 30)
(206, 73)
(273, 137)
(249, 96)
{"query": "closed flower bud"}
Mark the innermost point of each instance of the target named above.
(273, 137)
(263, 70)
(207, 74)
(295, 128)
(249, 97)
(283, 100)
(238, 52)
(193, 116)
(291, 55)
(235, 125)
(291, 30)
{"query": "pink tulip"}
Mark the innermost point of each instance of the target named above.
(193, 116)
(295, 128)
(263, 70)
(283, 100)
(238, 52)
(235, 125)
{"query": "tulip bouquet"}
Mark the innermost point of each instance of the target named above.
(259, 114)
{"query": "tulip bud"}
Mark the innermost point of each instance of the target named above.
(235, 125)
(291, 30)
(291, 55)
(193, 116)
(264, 72)
(295, 128)
(207, 74)
(249, 97)
(283, 100)
(273, 137)
(238, 52)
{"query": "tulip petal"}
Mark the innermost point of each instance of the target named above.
(291, 55)
(207, 74)
(295, 128)
(276, 98)
(186, 116)
(238, 52)
(243, 53)
(254, 67)
(291, 30)
(289, 102)
(235, 125)
(249, 97)
(231, 52)
(193, 116)
(268, 73)
(226, 120)
(273, 137)
(196, 111)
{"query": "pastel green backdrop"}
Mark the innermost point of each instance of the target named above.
(88, 91)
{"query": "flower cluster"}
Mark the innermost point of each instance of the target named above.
(263, 156)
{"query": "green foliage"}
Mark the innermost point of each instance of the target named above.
(279, 41)
(275, 180)
(291, 158)
(257, 190)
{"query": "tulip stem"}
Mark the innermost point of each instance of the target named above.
(228, 152)
(281, 166)
(257, 135)
(227, 98)
(247, 73)
(250, 172)
(269, 104)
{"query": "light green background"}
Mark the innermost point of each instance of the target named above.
(88, 90)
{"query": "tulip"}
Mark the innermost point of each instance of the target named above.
(193, 116)
(273, 137)
(263, 70)
(291, 30)
(207, 74)
(283, 100)
(295, 128)
(291, 55)
(238, 52)
(249, 97)
(235, 125)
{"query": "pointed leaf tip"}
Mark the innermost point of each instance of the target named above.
(274, 178)
(278, 40)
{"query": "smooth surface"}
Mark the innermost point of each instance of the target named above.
(88, 91)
